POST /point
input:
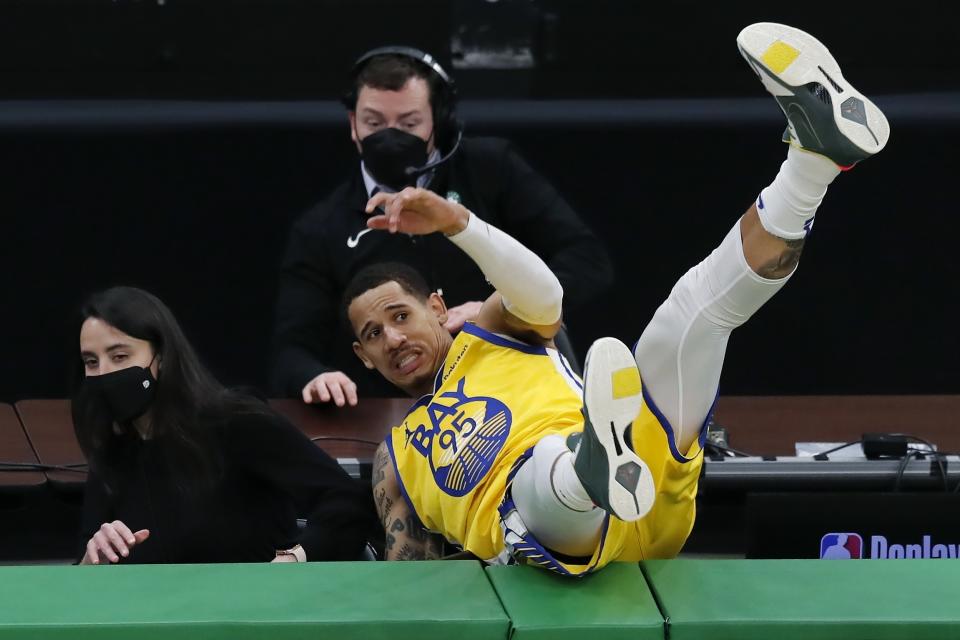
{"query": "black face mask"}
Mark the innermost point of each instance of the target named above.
(389, 152)
(126, 393)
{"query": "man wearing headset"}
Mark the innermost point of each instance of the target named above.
(401, 109)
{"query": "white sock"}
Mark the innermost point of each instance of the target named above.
(552, 503)
(788, 206)
(567, 485)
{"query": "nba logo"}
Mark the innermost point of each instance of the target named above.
(841, 546)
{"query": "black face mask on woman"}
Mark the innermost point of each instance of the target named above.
(126, 393)
(388, 153)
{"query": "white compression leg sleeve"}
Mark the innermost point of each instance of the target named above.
(680, 353)
(538, 493)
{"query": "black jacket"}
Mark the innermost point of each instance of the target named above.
(269, 475)
(490, 179)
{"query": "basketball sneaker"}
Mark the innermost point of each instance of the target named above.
(615, 477)
(825, 114)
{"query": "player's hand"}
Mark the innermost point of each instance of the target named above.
(284, 558)
(456, 316)
(417, 212)
(113, 541)
(332, 385)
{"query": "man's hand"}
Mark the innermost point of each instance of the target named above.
(466, 312)
(417, 212)
(332, 385)
(114, 539)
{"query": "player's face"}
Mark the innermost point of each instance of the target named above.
(407, 109)
(400, 336)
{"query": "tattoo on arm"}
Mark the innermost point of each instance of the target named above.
(430, 551)
(383, 486)
(406, 537)
(432, 542)
(380, 463)
(408, 552)
(384, 505)
(415, 529)
(784, 264)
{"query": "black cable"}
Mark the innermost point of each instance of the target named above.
(72, 465)
(32, 466)
(938, 457)
(735, 452)
(941, 455)
(956, 487)
(901, 469)
(915, 439)
(919, 454)
(344, 439)
(823, 454)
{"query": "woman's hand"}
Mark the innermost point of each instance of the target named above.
(113, 540)
(284, 558)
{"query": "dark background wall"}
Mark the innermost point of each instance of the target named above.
(170, 145)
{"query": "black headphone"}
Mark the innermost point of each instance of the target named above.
(449, 129)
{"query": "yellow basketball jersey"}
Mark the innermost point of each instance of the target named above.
(495, 398)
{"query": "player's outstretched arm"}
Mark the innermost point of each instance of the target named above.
(406, 538)
(527, 304)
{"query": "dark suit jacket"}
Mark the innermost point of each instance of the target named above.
(330, 243)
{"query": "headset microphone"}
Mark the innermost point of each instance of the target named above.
(414, 172)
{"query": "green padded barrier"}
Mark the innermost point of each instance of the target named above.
(367, 600)
(614, 603)
(808, 599)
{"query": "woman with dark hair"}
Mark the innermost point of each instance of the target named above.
(183, 470)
